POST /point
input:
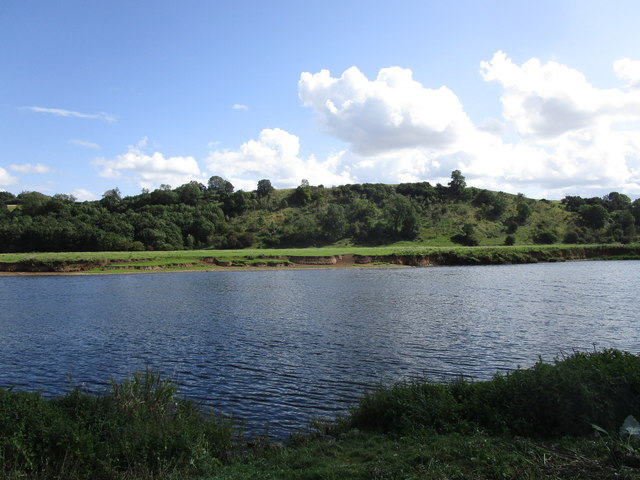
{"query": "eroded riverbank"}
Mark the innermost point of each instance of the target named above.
(152, 261)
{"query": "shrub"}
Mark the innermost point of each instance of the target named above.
(138, 428)
(466, 240)
(544, 238)
(547, 400)
(571, 237)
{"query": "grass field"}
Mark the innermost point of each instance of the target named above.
(402, 248)
(401, 253)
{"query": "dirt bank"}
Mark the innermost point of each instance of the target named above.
(472, 256)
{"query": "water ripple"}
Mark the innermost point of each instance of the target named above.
(279, 348)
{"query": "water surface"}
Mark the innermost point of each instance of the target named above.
(288, 345)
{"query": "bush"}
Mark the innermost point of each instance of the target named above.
(138, 428)
(545, 238)
(466, 240)
(571, 237)
(547, 400)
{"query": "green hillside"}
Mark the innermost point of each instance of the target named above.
(195, 216)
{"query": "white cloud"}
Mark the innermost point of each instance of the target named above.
(573, 138)
(239, 106)
(59, 112)
(29, 168)
(547, 101)
(491, 125)
(83, 195)
(149, 171)
(275, 156)
(83, 143)
(581, 132)
(6, 179)
(389, 113)
(628, 70)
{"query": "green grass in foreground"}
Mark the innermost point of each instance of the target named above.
(529, 424)
(428, 456)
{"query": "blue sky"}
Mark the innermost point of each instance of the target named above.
(539, 97)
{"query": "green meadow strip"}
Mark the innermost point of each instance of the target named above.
(416, 254)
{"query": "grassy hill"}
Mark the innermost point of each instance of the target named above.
(195, 216)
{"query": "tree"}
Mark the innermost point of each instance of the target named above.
(363, 218)
(301, 196)
(111, 198)
(523, 212)
(401, 217)
(6, 197)
(190, 193)
(545, 237)
(573, 202)
(219, 186)
(593, 216)
(264, 188)
(334, 222)
(616, 201)
(33, 203)
(492, 204)
(161, 196)
(635, 210)
(467, 237)
(457, 184)
(237, 203)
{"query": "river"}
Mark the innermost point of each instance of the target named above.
(277, 348)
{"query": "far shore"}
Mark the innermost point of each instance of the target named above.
(104, 263)
(207, 270)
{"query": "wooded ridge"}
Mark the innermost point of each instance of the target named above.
(195, 216)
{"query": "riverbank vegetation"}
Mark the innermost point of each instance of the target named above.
(215, 216)
(574, 418)
(334, 256)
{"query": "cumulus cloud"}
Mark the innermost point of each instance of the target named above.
(571, 136)
(149, 171)
(29, 168)
(59, 112)
(275, 155)
(239, 106)
(628, 70)
(550, 100)
(389, 113)
(491, 125)
(6, 179)
(558, 135)
(581, 132)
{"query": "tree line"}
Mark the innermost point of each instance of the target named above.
(215, 215)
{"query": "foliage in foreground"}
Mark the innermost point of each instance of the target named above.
(425, 455)
(139, 428)
(529, 424)
(547, 400)
(422, 430)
